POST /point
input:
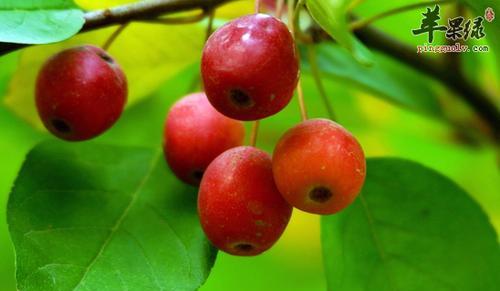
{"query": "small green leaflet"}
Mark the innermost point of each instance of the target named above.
(38, 21)
(331, 15)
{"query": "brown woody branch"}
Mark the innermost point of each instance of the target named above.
(455, 81)
(131, 12)
(438, 69)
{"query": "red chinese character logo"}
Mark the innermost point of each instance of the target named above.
(489, 15)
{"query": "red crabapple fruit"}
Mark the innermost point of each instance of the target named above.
(195, 134)
(249, 67)
(319, 167)
(80, 93)
(241, 211)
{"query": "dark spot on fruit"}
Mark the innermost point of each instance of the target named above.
(244, 247)
(320, 194)
(197, 175)
(106, 58)
(60, 125)
(240, 98)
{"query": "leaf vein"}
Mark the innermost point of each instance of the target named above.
(376, 240)
(186, 252)
(120, 220)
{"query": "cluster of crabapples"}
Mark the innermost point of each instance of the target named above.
(249, 70)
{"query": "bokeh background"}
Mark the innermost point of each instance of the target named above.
(162, 64)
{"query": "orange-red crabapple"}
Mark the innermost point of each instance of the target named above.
(319, 167)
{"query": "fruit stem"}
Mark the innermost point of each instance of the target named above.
(296, 13)
(197, 78)
(253, 134)
(279, 8)
(367, 21)
(302, 105)
(113, 36)
(291, 5)
(313, 61)
(257, 6)
(211, 15)
(354, 4)
(292, 15)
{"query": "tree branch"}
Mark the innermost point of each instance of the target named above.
(438, 69)
(129, 12)
(452, 79)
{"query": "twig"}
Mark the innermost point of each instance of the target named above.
(136, 11)
(435, 68)
(313, 62)
(365, 22)
(113, 36)
(452, 60)
(144, 10)
(455, 81)
(178, 20)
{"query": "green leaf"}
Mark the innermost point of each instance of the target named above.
(93, 217)
(331, 15)
(8, 65)
(147, 60)
(386, 80)
(38, 21)
(410, 229)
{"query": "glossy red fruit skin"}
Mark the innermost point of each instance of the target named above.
(80, 93)
(240, 209)
(195, 134)
(319, 157)
(249, 67)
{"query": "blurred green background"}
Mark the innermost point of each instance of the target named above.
(161, 70)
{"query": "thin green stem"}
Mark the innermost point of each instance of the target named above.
(113, 36)
(311, 53)
(291, 5)
(296, 14)
(253, 134)
(354, 4)
(257, 6)
(291, 26)
(367, 21)
(302, 104)
(280, 4)
(211, 16)
(197, 80)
